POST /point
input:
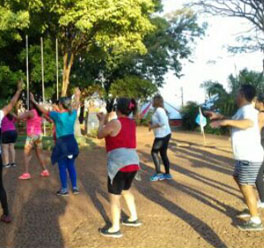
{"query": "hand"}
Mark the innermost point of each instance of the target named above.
(20, 85)
(212, 115)
(217, 124)
(150, 127)
(101, 117)
(77, 92)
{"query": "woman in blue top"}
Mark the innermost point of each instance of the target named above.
(66, 148)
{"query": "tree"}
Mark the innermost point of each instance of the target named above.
(114, 26)
(250, 10)
(168, 46)
(226, 101)
(11, 24)
(133, 87)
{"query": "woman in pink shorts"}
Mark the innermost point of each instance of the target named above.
(34, 140)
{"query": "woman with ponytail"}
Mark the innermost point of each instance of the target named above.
(162, 132)
(66, 148)
(122, 163)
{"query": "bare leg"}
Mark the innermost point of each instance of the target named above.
(130, 201)
(5, 154)
(40, 157)
(250, 199)
(115, 212)
(12, 152)
(27, 156)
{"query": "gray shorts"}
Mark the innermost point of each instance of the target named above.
(246, 172)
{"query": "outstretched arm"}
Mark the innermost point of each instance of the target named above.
(8, 108)
(40, 107)
(77, 96)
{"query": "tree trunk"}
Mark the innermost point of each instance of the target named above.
(67, 65)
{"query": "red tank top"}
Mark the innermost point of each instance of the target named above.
(126, 138)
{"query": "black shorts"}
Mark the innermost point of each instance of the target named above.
(9, 137)
(122, 181)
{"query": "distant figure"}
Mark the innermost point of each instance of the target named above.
(3, 198)
(33, 119)
(66, 148)
(9, 137)
(122, 163)
(247, 150)
(162, 132)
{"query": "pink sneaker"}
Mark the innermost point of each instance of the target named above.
(5, 218)
(25, 176)
(45, 173)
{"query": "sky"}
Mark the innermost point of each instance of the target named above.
(221, 32)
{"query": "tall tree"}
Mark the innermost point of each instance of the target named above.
(250, 10)
(115, 26)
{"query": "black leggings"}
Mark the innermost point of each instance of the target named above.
(160, 145)
(260, 183)
(3, 197)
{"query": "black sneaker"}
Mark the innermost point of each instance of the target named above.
(250, 226)
(13, 164)
(105, 232)
(6, 165)
(134, 223)
(75, 191)
(62, 193)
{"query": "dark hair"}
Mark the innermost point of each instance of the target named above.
(32, 106)
(10, 117)
(126, 106)
(66, 103)
(158, 100)
(261, 97)
(248, 91)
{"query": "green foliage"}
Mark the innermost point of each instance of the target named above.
(133, 87)
(189, 113)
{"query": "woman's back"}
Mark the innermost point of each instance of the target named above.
(126, 138)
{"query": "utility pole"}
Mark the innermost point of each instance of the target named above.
(182, 100)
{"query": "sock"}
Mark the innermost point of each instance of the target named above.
(256, 220)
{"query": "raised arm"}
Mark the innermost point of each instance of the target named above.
(8, 108)
(40, 107)
(77, 96)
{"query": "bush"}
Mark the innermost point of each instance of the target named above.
(189, 113)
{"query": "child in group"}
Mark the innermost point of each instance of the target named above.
(122, 163)
(33, 119)
(66, 148)
(3, 198)
(9, 137)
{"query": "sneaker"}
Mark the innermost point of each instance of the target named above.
(62, 192)
(167, 176)
(13, 164)
(250, 226)
(25, 176)
(6, 165)
(45, 173)
(134, 223)
(105, 232)
(5, 218)
(244, 214)
(75, 191)
(157, 177)
(260, 204)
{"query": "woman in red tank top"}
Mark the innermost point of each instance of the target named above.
(122, 163)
